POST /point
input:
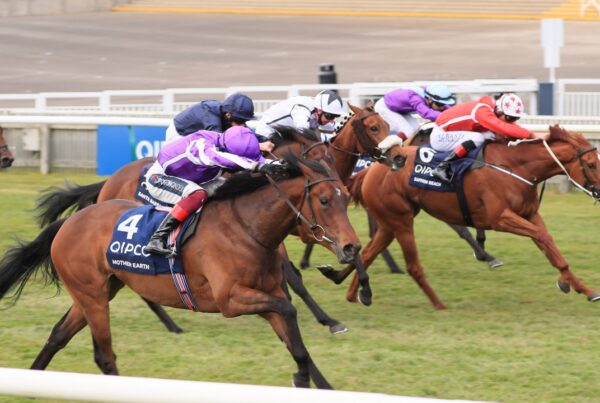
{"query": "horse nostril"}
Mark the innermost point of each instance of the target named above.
(349, 250)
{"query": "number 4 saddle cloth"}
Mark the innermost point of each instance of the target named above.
(131, 234)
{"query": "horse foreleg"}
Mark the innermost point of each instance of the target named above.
(163, 316)
(281, 314)
(294, 279)
(406, 237)
(64, 330)
(380, 240)
(387, 256)
(305, 262)
(477, 245)
(535, 228)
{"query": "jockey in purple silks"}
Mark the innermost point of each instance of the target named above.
(397, 106)
(198, 159)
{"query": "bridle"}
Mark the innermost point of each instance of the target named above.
(317, 230)
(373, 149)
(594, 192)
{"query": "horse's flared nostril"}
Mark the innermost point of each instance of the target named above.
(350, 250)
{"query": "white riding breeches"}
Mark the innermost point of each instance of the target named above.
(404, 123)
(165, 188)
(442, 140)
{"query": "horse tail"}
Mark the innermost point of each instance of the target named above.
(54, 201)
(21, 261)
(355, 184)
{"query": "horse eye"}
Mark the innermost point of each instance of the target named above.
(373, 128)
(591, 165)
(324, 202)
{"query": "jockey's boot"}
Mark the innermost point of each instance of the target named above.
(442, 171)
(157, 244)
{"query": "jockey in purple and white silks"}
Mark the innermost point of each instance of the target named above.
(397, 106)
(187, 170)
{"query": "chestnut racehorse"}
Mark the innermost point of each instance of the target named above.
(232, 260)
(497, 199)
(362, 134)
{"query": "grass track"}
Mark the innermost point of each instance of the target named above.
(508, 335)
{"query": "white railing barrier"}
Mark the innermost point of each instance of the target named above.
(101, 388)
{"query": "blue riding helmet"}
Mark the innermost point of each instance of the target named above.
(440, 93)
(240, 106)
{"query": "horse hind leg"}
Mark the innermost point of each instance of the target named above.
(163, 316)
(294, 279)
(64, 330)
(477, 245)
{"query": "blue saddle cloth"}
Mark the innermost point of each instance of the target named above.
(131, 234)
(426, 159)
(141, 193)
(362, 163)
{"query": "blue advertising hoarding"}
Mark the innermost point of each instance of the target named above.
(119, 145)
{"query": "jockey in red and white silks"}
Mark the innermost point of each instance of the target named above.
(476, 121)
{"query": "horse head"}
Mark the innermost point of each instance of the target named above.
(372, 138)
(321, 214)
(580, 159)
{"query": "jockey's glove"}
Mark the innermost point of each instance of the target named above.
(274, 168)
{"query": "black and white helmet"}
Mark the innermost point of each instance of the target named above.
(329, 102)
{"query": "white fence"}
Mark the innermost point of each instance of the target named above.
(169, 101)
(100, 388)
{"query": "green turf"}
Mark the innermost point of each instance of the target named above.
(507, 335)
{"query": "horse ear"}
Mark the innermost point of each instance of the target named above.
(354, 109)
(370, 105)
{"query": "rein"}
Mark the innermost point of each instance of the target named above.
(579, 155)
(562, 167)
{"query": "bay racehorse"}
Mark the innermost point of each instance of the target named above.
(232, 263)
(501, 196)
(363, 133)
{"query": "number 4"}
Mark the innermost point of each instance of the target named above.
(130, 225)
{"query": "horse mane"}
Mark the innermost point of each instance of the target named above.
(285, 135)
(246, 182)
(558, 133)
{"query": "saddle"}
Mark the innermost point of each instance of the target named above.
(426, 159)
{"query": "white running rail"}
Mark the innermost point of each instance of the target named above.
(101, 388)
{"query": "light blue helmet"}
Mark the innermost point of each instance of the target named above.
(440, 93)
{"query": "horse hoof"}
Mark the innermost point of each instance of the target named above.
(304, 265)
(495, 263)
(176, 330)
(299, 381)
(593, 297)
(365, 300)
(328, 271)
(564, 287)
(337, 329)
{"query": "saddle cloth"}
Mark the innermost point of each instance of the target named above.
(426, 159)
(141, 193)
(131, 234)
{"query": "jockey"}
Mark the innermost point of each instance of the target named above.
(197, 159)
(397, 106)
(301, 113)
(212, 115)
(466, 126)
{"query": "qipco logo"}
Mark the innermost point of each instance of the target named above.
(146, 148)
